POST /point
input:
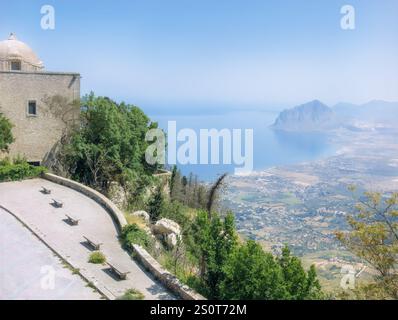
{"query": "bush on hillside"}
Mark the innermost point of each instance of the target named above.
(132, 234)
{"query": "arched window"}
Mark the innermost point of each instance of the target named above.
(15, 65)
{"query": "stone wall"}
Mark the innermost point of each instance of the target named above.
(36, 135)
(169, 280)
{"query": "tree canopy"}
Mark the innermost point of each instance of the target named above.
(374, 238)
(230, 269)
(109, 145)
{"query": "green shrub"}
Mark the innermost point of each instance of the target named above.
(6, 137)
(97, 258)
(5, 162)
(19, 171)
(132, 294)
(132, 234)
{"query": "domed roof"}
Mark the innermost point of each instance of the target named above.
(13, 49)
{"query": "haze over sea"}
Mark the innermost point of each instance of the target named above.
(271, 148)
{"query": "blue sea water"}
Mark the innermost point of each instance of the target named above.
(270, 148)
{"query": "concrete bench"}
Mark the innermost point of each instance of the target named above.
(95, 244)
(120, 271)
(44, 190)
(73, 221)
(57, 203)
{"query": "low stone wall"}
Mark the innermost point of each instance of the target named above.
(109, 206)
(168, 279)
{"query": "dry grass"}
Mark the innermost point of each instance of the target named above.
(131, 219)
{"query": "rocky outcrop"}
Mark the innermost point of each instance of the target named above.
(117, 195)
(166, 226)
(168, 231)
(142, 214)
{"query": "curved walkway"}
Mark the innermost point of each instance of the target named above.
(29, 270)
(27, 203)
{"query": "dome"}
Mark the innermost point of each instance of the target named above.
(16, 55)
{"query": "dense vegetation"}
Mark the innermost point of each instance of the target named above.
(232, 269)
(109, 146)
(6, 137)
(132, 234)
(212, 259)
(18, 169)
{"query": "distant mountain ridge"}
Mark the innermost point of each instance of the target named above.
(317, 116)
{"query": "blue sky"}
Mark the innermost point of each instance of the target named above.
(260, 54)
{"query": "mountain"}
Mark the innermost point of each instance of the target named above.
(312, 116)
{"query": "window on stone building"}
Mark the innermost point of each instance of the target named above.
(16, 65)
(32, 108)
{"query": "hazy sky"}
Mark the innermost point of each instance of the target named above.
(230, 52)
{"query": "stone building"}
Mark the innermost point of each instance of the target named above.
(40, 104)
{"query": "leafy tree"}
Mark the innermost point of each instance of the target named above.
(109, 145)
(253, 274)
(299, 284)
(6, 137)
(230, 270)
(215, 239)
(374, 238)
(156, 205)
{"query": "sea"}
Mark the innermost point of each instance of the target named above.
(270, 148)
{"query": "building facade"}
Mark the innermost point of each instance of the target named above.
(40, 104)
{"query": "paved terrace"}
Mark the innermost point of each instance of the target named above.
(26, 202)
(45, 277)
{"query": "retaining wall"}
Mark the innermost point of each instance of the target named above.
(169, 280)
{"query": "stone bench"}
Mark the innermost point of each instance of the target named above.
(118, 270)
(72, 220)
(44, 190)
(57, 203)
(95, 244)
